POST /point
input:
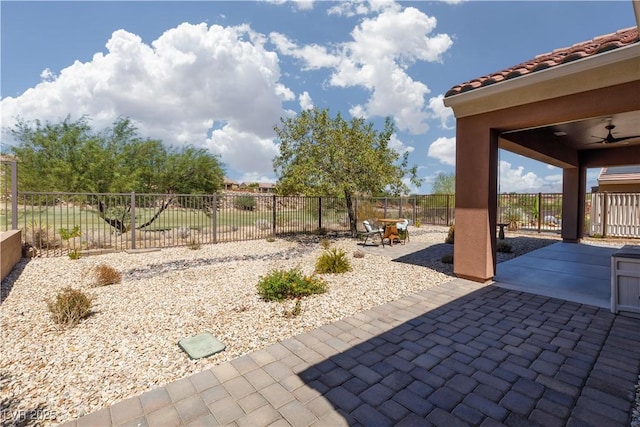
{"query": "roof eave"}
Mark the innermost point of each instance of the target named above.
(540, 77)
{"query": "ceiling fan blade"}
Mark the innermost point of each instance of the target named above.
(622, 138)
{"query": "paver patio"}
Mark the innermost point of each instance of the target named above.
(461, 353)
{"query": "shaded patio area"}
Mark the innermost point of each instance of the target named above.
(575, 272)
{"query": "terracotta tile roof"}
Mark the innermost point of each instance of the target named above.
(582, 50)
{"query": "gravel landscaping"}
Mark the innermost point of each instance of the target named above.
(128, 344)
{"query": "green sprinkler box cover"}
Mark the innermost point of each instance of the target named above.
(201, 345)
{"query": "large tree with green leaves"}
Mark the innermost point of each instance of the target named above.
(444, 183)
(71, 157)
(323, 155)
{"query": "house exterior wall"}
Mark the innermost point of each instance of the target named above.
(476, 168)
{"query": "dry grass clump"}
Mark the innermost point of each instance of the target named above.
(105, 275)
(69, 307)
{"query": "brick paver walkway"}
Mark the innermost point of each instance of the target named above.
(458, 354)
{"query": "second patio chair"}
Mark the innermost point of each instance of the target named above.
(403, 230)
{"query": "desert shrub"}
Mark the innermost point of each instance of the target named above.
(67, 234)
(74, 254)
(105, 275)
(40, 236)
(447, 259)
(366, 210)
(322, 231)
(263, 224)
(325, 243)
(503, 246)
(513, 217)
(69, 307)
(183, 232)
(333, 261)
(279, 285)
(451, 235)
(295, 311)
(96, 240)
(417, 224)
(194, 244)
(245, 203)
(358, 254)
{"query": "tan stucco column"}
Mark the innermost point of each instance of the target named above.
(476, 201)
(573, 198)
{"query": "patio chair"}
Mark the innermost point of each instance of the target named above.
(370, 231)
(403, 230)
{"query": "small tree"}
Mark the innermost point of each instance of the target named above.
(444, 183)
(321, 155)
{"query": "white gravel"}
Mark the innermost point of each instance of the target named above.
(128, 344)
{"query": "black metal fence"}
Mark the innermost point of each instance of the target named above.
(58, 223)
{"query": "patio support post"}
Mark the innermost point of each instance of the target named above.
(476, 200)
(573, 196)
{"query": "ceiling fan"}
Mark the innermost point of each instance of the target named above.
(610, 139)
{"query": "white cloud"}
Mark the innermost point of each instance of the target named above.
(300, 4)
(47, 75)
(377, 58)
(516, 180)
(551, 167)
(306, 103)
(440, 111)
(444, 149)
(243, 151)
(397, 145)
(174, 89)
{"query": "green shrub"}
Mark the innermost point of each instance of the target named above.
(417, 224)
(333, 261)
(105, 275)
(74, 254)
(279, 285)
(245, 203)
(66, 234)
(503, 246)
(69, 307)
(451, 235)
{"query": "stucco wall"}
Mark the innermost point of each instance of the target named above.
(10, 251)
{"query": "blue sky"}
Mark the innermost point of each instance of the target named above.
(221, 74)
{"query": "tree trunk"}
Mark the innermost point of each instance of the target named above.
(353, 220)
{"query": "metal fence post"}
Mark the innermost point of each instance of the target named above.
(215, 218)
(273, 226)
(605, 207)
(414, 210)
(448, 207)
(319, 212)
(133, 220)
(539, 212)
(14, 195)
